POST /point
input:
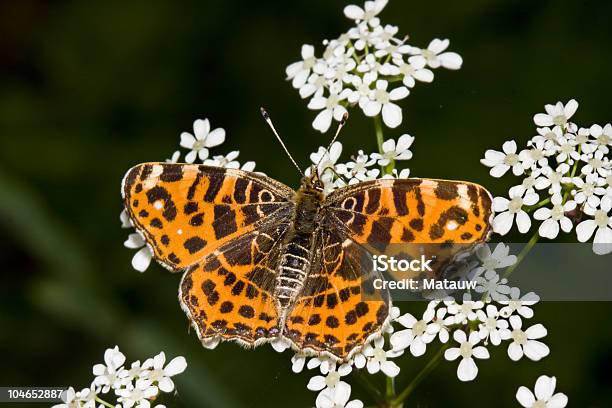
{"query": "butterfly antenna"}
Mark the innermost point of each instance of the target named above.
(269, 122)
(340, 126)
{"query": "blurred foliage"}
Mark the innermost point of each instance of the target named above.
(88, 89)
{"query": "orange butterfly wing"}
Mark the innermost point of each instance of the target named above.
(186, 211)
(333, 314)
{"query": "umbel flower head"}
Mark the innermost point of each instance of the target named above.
(566, 171)
(368, 66)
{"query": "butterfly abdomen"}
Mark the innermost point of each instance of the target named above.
(295, 262)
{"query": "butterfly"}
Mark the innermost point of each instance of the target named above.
(262, 261)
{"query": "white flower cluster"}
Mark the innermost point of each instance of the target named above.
(134, 386)
(198, 144)
(360, 66)
(567, 179)
(472, 325)
(361, 167)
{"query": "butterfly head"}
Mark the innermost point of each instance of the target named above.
(313, 180)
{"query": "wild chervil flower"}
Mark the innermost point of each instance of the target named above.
(525, 342)
(203, 139)
(467, 350)
(544, 397)
(557, 114)
(133, 387)
(361, 67)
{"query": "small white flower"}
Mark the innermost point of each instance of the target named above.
(500, 162)
(554, 178)
(557, 114)
(395, 151)
(508, 209)
(174, 158)
(142, 258)
(297, 362)
(566, 150)
(439, 325)
(331, 380)
(359, 164)
(600, 224)
(139, 395)
(596, 163)
(86, 398)
(228, 161)
(525, 342)
(331, 108)
(464, 311)
(325, 364)
(498, 259)
(299, 71)
(554, 217)
(588, 190)
(535, 156)
(325, 160)
(550, 136)
(544, 397)
(337, 397)
(602, 136)
(411, 71)
(494, 286)
(125, 219)
(378, 358)
(280, 344)
(491, 325)
(157, 373)
(382, 100)
(467, 369)
(416, 336)
(204, 138)
(368, 13)
(519, 304)
(434, 55)
(110, 374)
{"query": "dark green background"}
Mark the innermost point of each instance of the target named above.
(88, 89)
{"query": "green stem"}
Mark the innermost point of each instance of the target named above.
(390, 381)
(365, 381)
(534, 239)
(396, 403)
(538, 205)
(101, 401)
(388, 169)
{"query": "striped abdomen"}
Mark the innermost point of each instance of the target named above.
(293, 268)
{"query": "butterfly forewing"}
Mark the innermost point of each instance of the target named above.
(187, 211)
(440, 219)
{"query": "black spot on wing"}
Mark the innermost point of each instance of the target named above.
(194, 244)
(380, 234)
(240, 190)
(224, 223)
(446, 190)
(216, 181)
(373, 200)
(399, 199)
(171, 173)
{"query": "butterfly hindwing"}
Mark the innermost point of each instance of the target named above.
(337, 312)
(230, 294)
(186, 211)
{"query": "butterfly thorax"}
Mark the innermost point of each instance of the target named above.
(295, 262)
